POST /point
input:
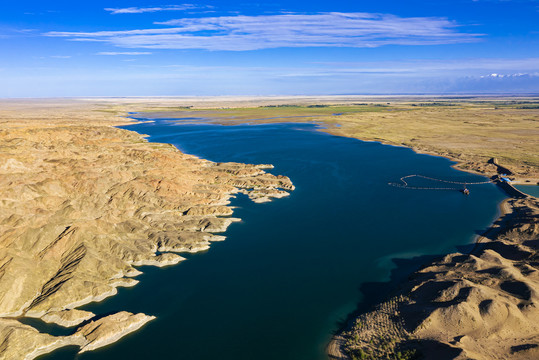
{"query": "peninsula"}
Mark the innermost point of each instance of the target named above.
(84, 204)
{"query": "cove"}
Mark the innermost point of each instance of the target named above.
(294, 268)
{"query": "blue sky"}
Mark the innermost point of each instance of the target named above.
(167, 48)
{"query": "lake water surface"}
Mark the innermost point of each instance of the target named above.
(532, 190)
(293, 268)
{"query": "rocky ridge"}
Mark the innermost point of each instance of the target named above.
(82, 205)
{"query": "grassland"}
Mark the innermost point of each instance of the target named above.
(469, 131)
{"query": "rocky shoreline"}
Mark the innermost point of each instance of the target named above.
(83, 205)
(481, 305)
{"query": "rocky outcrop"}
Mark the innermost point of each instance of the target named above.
(67, 318)
(24, 342)
(21, 341)
(82, 205)
(109, 329)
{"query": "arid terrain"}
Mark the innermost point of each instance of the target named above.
(481, 305)
(84, 203)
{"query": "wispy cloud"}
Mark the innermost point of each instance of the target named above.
(130, 53)
(410, 69)
(61, 56)
(140, 10)
(502, 76)
(438, 66)
(239, 33)
(9, 32)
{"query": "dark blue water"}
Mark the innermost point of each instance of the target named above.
(532, 190)
(295, 267)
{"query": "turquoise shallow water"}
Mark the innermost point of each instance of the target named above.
(294, 268)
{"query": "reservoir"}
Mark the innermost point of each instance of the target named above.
(292, 270)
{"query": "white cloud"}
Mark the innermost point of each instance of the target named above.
(432, 65)
(411, 69)
(114, 53)
(140, 10)
(509, 76)
(239, 33)
(61, 56)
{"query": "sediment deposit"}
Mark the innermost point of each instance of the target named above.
(83, 204)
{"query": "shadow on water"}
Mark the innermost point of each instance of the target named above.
(373, 293)
(65, 353)
(377, 291)
(48, 328)
(58, 330)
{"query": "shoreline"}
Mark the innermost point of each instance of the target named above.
(108, 202)
(500, 225)
(411, 339)
(459, 164)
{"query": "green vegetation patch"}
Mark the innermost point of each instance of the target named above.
(287, 110)
(435, 104)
